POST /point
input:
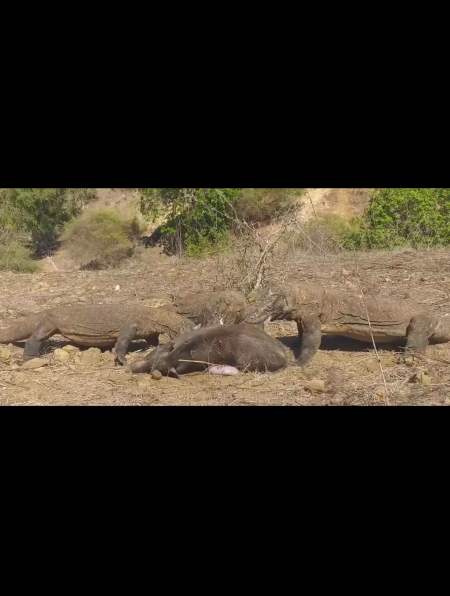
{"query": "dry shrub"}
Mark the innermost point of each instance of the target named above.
(263, 205)
(100, 239)
(255, 252)
(327, 234)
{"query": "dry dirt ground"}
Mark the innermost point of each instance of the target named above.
(342, 373)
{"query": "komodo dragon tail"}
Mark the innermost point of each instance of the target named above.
(20, 329)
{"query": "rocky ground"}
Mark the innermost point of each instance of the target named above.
(342, 373)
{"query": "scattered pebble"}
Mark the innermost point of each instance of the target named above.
(34, 363)
(90, 356)
(156, 374)
(372, 365)
(69, 348)
(61, 355)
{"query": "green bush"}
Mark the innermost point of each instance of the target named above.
(14, 256)
(197, 220)
(41, 213)
(417, 217)
(100, 239)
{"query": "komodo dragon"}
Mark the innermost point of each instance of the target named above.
(222, 307)
(318, 311)
(244, 346)
(96, 325)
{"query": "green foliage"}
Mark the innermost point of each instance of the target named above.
(100, 238)
(196, 219)
(41, 213)
(14, 256)
(417, 217)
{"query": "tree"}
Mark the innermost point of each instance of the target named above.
(416, 216)
(40, 213)
(196, 219)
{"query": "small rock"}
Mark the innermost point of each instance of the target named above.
(69, 348)
(156, 374)
(90, 356)
(117, 288)
(5, 355)
(315, 385)
(34, 363)
(372, 365)
(61, 355)
(346, 272)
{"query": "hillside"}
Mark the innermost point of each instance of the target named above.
(345, 202)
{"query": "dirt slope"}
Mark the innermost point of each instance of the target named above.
(345, 202)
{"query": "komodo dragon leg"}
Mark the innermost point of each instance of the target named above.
(418, 333)
(43, 331)
(127, 334)
(309, 332)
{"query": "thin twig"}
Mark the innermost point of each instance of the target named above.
(373, 341)
(200, 362)
(311, 201)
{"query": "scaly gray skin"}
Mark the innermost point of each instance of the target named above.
(96, 325)
(246, 347)
(223, 307)
(318, 311)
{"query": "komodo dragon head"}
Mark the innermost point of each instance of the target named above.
(289, 303)
(275, 305)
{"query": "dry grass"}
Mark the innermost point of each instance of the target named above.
(349, 369)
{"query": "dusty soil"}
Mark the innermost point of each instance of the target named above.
(350, 371)
(344, 202)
